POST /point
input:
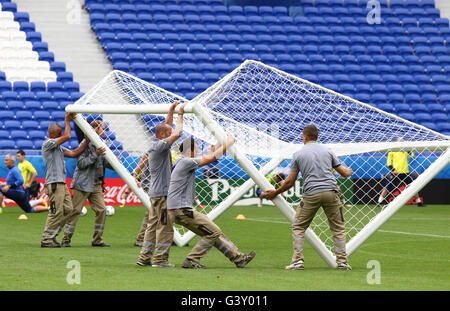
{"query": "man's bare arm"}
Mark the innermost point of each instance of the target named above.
(169, 118)
(67, 134)
(288, 183)
(139, 168)
(218, 153)
(77, 151)
(344, 171)
(178, 128)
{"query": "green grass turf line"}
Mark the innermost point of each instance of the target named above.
(408, 261)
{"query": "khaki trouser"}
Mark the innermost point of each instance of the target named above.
(60, 208)
(332, 206)
(158, 234)
(211, 234)
(141, 234)
(97, 203)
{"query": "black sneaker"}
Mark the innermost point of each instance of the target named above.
(344, 266)
(247, 258)
(53, 244)
(66, 244)
(298, 265)
(191, 264)
(144, 264)
(101, 245)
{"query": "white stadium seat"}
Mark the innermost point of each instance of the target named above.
(14, 75)
(25, 64)
(28, 55)
(17, 36)
(6, 45)
(41, 66)
(23, 45)
(48, 76)
(9, 54)
(32, 75)
(9, 25)
(4, 35)
(6, 16)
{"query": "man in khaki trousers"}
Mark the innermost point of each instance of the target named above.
(320, 189)
(55, 179)
(159, 231)
(179, 204)
(87, 184)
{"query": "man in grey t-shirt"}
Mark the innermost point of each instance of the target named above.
(181, 198)
(159, 231)
(55, 179)
(88, 184)
(315, 162)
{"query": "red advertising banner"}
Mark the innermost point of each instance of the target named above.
(114, 190)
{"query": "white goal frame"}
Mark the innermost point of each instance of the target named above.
(258, 176)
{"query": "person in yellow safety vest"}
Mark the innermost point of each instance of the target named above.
(398, 163)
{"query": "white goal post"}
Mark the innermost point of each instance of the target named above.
(266, 109)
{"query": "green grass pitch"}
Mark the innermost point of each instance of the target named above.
(413, 249)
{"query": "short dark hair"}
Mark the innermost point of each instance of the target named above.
(21, 152)
(281, 176)
(188, 144)
(160, 128)
(311, 132)
(96, 123)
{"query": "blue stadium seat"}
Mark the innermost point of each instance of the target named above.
(5, 86)
(33, 105)
(30, 125)
(54, 87)
(7, 145)
(19, 86)
(10, 95)
(42, 115)
(18, 134)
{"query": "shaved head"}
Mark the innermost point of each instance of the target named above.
(163, 130)
(54, 130)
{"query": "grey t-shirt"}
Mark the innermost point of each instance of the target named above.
(182, 183)
(315, 162)
(55, 167)
(160, 166)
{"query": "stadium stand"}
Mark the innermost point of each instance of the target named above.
(34, 88)
(185, 46)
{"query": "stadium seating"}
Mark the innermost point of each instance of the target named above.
(186, 46)
(34, 88)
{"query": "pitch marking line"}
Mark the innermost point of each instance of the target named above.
(385, 231)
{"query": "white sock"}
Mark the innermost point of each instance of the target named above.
(418, 200)
(380, 199)
(33, 203)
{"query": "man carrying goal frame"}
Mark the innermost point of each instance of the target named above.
(181, 199)
(315, 162)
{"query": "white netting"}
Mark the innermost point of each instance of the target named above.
(281, 105)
